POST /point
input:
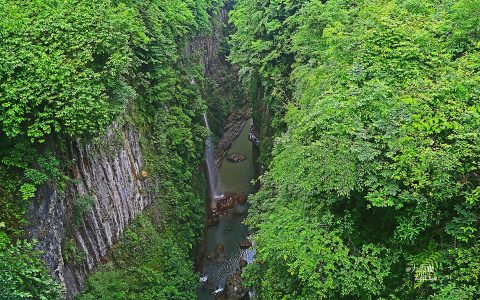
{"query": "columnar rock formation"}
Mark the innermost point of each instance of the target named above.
(111, 175)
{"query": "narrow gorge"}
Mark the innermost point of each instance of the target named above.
(227, 248)
(239, 149)
(118, 208)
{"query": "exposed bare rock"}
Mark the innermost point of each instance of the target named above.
(241, 198)
(245, 244)
(236, 157)
(228, 201)
(225, 203)
(235, 290)
(231, 131)
(212, 220)
(243, 264)
(220, 248)
(110, 174)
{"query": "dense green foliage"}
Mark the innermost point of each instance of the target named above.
(160, 268)
(262, 47)
(67, 68)
(373, 188)
(222, 90)
(70, 68)
(23, 275)
(369, 114)
(61, 61)
(168, 111)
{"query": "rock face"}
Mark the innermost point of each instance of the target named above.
(253, 136)
(111, 175)
(233, 128)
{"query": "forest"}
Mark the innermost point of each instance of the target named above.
(368, 113)
(68, 69)
(371, 116)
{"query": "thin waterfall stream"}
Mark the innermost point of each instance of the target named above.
(226, 243)
(210, 164)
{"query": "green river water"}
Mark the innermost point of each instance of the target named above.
(232, 177)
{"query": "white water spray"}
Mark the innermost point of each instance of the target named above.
(210, 163)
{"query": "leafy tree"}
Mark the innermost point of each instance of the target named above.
(374, 183)
(64, 65)
(23, 274)
(67, 70)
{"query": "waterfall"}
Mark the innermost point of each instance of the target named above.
(210, 163)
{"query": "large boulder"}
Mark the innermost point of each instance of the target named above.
(234, 289)
(236, 157)
(229, 200)
(225, 203)
(245, 244)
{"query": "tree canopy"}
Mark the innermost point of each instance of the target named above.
(68, 69)
(372, 190)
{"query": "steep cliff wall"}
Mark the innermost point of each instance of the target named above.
(108, 172)
(78, 225)
(222, 91)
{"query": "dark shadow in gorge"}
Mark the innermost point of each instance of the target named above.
(222, 254)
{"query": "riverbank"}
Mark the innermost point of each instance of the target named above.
(232, 129)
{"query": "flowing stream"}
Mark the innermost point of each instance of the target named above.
(229, 232)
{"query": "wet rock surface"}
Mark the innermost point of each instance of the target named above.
(232, 130)
(220, 248)
(212, 219)
(245, 244)
(225, 204)
(253, 136)
(209, 286)
(229, 199)
(241, 198)
(236, 157)
(243, 264)
(234, 289)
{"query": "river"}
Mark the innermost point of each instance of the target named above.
(229, 232)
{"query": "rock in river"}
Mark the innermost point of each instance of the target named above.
(236, 157)
(220, 248)
(212, 220)
(243, 263)
(241, 198)
(235, 290)
(225, 203)
(229, 199)
(245, 244)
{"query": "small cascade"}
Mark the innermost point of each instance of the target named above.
(210, 163)
(253, 136)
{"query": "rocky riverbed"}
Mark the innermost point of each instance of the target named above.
(227, 248)
(231, 131)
